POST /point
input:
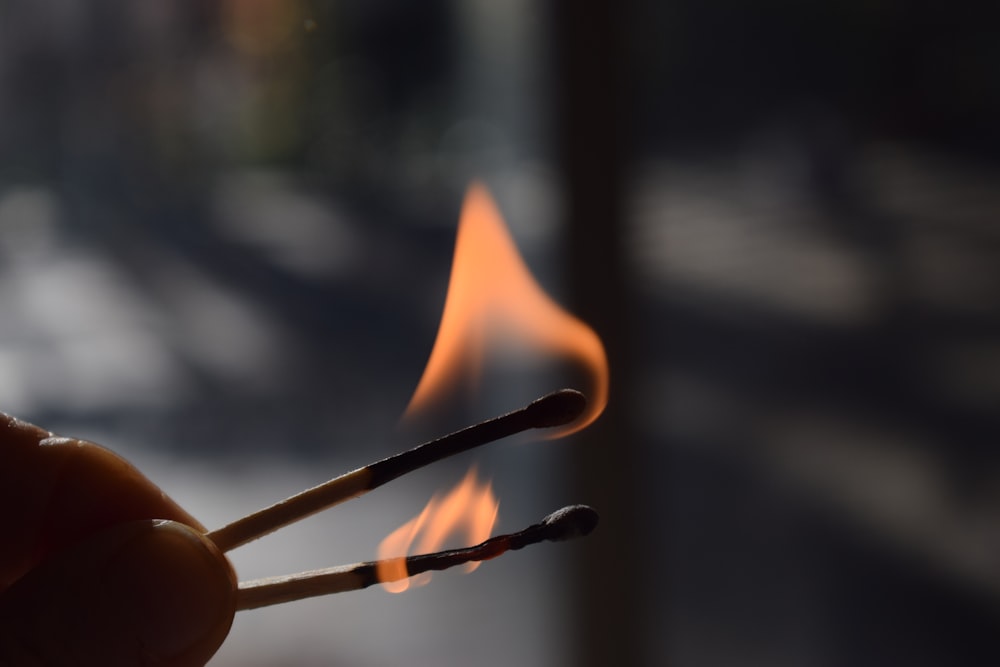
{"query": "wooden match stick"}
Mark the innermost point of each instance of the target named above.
(567, 523)
(555, 409)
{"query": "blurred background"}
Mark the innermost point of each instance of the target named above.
(225, 236)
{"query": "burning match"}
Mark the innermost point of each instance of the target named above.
(564, 524)
(76, 496)
(489, 283)
(556, 409)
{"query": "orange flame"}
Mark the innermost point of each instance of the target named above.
(492, 296)
(470, 506)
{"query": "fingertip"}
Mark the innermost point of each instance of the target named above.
(177, 591)
(139, 593)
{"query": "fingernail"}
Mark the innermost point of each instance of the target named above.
(175, 588)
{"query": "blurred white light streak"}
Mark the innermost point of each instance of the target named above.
(698, 231)
(298, 232)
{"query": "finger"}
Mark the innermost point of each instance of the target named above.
(139, 593)
(56, 491)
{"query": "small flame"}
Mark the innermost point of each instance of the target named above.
(470, 507)
(493, 297)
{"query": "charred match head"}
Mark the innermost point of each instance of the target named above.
(570, 522)
(556, 409)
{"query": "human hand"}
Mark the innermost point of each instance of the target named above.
(97, 565)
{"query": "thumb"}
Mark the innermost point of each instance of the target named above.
(139, 593)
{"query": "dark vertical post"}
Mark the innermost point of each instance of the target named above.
(590, 102)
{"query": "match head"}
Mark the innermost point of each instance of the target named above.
(556, 409)
(570, 522)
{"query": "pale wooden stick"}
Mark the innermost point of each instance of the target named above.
(567, 523)
(555, 409)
